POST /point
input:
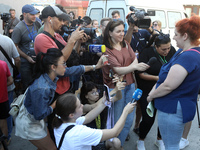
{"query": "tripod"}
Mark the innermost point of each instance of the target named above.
(2, 140)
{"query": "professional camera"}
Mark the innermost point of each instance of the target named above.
(137, 17)
(5, 17)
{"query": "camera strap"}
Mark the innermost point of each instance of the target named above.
(60, 45)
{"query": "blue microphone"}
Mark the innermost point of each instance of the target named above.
(136, 95)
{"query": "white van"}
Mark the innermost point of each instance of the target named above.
(168, 12)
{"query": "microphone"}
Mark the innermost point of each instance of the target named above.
(151, 61)
(136, 95)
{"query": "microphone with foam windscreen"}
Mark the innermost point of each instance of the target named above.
(151, 61)
(137, 95)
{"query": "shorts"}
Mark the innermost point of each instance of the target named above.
(4, 109)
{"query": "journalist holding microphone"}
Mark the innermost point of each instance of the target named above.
(175, 93)
(122, 61)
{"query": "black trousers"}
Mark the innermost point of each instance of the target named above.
(147, 121)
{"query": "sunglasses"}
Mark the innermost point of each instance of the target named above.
(155, 24)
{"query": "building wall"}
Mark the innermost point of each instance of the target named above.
(192, 9)
(5, 5)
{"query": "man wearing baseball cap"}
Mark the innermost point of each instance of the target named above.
(54, 19)
(24, 36)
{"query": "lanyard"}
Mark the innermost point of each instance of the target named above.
(164, 60)
(30, 33)
(98, 122)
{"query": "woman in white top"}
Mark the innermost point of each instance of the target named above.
(69, 111)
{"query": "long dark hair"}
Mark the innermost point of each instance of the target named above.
(65, 105)
(110, 27)
(87, 87)
(44, 62)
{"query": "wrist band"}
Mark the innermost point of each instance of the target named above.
(94, 67)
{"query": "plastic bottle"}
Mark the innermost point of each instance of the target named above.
(97, 48)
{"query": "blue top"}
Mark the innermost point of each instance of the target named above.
(187, 92)
(139, 40)
(39, 97)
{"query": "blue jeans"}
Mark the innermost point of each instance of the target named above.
(10, 119)
(118, 109)
(171, 128)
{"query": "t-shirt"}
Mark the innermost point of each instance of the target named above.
(23, 36)
(8, 45)
(80, 137)
(117, 58)
(63, 83)
(186, 93)
(4, 74)
(139, 40)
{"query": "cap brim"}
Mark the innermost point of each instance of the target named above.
(64, 17)
(34, 12)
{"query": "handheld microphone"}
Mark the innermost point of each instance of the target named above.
(136, 95)
(151, 61)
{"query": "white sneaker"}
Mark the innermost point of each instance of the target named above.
(140, 145)
(160, 144)
(183, 143)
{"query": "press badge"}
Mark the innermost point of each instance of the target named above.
(31, 46)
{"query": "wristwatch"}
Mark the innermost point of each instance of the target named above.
(94, 67)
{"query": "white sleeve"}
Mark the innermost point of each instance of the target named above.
(91, 136)
(80, 120)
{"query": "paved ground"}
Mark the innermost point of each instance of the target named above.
(194, 138)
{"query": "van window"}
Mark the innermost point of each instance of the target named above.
(121, 11)
(159, 15)
(96, 13)
(173, 17)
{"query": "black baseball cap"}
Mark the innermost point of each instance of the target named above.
(54, 11)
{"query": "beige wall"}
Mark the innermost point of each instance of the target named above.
(5, 5)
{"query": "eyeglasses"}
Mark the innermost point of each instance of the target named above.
(64, 64)
(95, 92)
(155, 24)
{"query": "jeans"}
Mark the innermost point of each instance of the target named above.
(171, 128)
(118, 109)
(26, 71)
(10, 119)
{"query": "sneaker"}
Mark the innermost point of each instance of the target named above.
(160, 144)
(140, 145)
(183, 143)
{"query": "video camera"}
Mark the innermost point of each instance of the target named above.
(5, 17)
(89, 31)
(137, 17)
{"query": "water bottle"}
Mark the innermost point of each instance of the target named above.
(97, 48)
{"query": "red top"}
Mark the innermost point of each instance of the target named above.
(117, 58)
(4, 74)
(42, 44)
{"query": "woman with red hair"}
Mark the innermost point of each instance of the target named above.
(175, 93)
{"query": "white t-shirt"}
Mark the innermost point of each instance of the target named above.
(80, 137)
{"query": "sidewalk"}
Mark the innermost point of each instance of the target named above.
(194, 138)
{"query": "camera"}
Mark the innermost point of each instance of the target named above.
(137, 17)
(5, 17)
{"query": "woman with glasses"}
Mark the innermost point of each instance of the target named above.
(89, 97)
(162, 51)
(175, 93)
(157, 25)
(122, 61)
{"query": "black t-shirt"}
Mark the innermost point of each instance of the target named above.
(145, 55)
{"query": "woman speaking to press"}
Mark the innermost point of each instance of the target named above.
(176, 91)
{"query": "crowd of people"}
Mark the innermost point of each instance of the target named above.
(51, 54)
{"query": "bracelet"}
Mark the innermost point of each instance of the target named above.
(94, 67)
